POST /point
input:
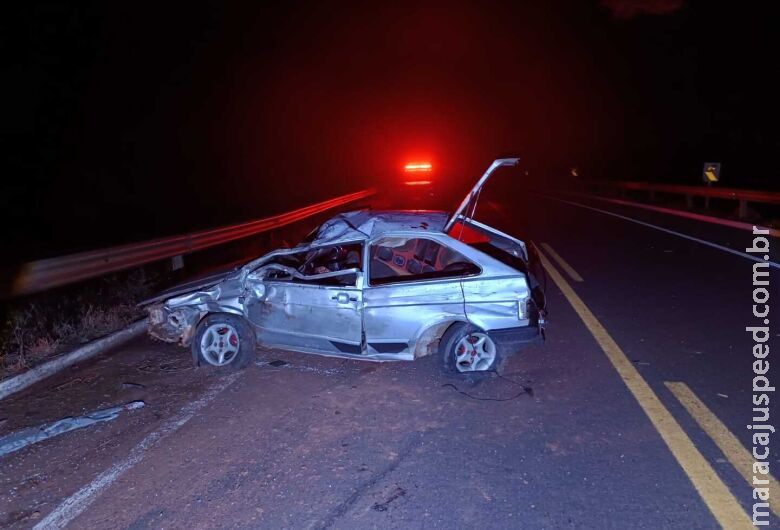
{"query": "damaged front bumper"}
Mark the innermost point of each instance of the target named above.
(176, 319)
(173, 325)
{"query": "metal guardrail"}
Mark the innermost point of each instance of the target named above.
(742, 196)
(54, 272)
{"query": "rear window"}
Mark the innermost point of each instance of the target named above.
(501, 255)
(400, 259)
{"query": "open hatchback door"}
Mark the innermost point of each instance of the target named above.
(462, 225)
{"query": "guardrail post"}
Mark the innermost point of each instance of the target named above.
(688, 200)
(177, 262)
(742, 208)
(652, 195)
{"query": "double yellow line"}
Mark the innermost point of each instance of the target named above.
(715, 494)
(728, 444)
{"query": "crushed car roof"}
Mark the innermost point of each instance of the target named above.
(365, 224)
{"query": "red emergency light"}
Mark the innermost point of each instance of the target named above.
(417, 182)
(418, 167)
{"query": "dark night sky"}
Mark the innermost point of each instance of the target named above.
(125, 121)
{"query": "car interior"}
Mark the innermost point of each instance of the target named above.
(397, 259)
(320, 261)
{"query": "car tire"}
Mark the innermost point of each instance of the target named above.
(224, 341)
(459, 342)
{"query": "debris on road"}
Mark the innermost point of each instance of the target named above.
(17, 440)
(172, 365)
(383, 506)
(722, 395)
(69, 383)
(278, 363)
(524, 390)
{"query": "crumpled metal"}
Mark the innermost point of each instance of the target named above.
(19, 439)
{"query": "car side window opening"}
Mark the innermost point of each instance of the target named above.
(403, 259)
(321, 261)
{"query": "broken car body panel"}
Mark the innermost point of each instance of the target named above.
(370, 285)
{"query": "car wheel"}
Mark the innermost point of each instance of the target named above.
(466, 349)
(224, 340)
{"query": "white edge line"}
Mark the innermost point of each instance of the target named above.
(74, 505)
(668, 231)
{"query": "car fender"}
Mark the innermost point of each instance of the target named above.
(430, 333)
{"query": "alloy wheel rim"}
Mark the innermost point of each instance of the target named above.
(475, 352)
(219, 344)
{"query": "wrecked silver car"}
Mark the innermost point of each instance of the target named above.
(373, 285)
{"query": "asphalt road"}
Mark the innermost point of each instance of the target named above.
(590, 430)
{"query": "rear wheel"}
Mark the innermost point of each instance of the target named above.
(224, 340)
(465, 349)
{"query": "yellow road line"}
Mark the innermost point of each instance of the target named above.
(728, 444)
(723, 505)
(562, 263)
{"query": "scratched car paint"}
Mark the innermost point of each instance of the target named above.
(373, 285)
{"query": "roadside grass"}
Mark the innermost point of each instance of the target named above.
(37, 328)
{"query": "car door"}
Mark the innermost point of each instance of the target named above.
(320, 312)
(411, 287)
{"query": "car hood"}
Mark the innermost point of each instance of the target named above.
(192, 285)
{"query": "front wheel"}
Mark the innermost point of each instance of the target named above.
(224, 340)
(465, 348)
